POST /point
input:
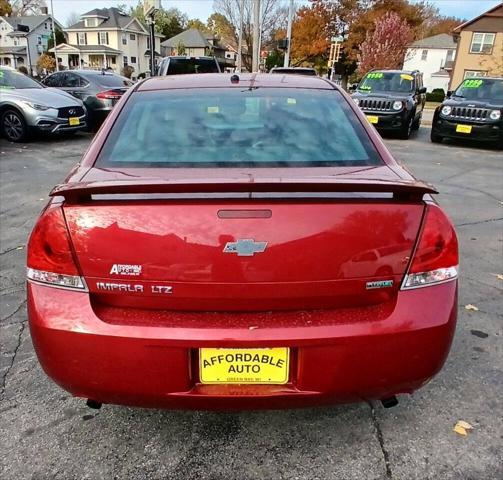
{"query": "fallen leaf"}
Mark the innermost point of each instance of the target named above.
(461, 428)
(471, 307)
(499, 276)
(20, 247)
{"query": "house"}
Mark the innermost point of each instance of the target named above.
(19, 47)
(480, 47)
(195, 43)
(434, 57)
(107, 38)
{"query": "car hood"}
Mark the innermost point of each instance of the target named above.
(463, 102)
(51, 97)
(381, 95)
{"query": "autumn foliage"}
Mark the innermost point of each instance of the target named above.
(46, 62)
(385, 47)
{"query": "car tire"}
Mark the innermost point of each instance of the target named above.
(435, 137)
(406, 130)
(417, 122)
(13, 126)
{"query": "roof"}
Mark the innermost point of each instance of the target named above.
(31, 21)
(442, 40)
(13, 50)
(218, 80)
(191, 38)
(492, 12)
(86, 48)
(114, 18)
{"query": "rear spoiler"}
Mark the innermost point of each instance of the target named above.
(400, 189)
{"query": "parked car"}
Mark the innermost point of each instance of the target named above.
(27, 108)
(474, 110)
(182, 65)
(392, 100)
(294, 70)
(203, 255)
(99, 90)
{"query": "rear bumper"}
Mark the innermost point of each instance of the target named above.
(157, 366)
(491, 132)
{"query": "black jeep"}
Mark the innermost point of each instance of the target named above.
(392, 99)
(474, 110)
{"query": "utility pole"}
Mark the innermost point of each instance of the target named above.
(54, 38)
(240, 42)
(152, 43)
(286, 61)
(256, 35)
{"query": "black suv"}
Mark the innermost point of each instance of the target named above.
(474, 110)
(392, 99)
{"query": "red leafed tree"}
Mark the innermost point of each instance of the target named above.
(386, 46)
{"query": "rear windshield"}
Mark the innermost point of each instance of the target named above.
(481, 89)
(387, 82)
(296, 71)
(237, 128)
(181, 66)
(10, 79)
(113, 81)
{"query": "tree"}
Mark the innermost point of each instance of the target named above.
(441, 24)
(274, 59)
(21, 8)
(220, 26)
(60, 37)
(198, 25)
(46, 62)
(180, 48)
(168, 22)
(385, 47)
(72, 19)
(273, 16)
(5, 8)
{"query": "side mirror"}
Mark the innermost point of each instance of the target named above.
(352, 88)
(449, 93)
(422, 90)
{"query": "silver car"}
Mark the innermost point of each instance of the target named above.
(26, 107)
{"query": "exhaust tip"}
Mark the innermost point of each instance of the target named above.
(389, 402)
(93, 404)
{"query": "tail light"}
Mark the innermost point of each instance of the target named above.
(109, 95)
(436, 256)
(50, 259)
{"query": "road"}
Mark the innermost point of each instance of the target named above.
(46, 434)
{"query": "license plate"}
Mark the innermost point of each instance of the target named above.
(373, 119)
(464, 128)
(73, 121)
(244, 365)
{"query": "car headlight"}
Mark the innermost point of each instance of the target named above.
(356, 100)
(37, 106)
(446, 110)
(397, 105)
(495, 115)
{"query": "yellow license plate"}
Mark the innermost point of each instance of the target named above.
(244, 365)
(373, 119)
(73, 121)
(464, 128)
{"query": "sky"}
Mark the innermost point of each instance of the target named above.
(202, 9)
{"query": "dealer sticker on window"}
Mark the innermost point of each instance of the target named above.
(244, 365)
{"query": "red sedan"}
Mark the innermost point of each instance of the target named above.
(241, 242)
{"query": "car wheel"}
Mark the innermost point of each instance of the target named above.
(417, 122)
(435, 137)
(13, 126)
(407, 129)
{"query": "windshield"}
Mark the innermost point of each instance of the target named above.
(113, 81)
(481, 89)
(238, 128)
(10, 79)
(181, 66)
(387, 82)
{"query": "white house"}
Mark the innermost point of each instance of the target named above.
(107, 38)
(434, 57)
(24, 48)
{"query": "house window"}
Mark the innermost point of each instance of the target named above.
(482, 43)
(114, 61)
(16, 42)
(45, 25)
(475, 73)
(103, 38)
(125, 61)
(424, 55)
(124, 39)
(132, 36)
(450, 55)
(133, 60)
(148, 43)
(82, 38)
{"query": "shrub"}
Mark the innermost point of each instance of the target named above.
(437, 95)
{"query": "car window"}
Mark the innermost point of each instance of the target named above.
(71, 80)
(181, 66)
(481, 89)
(10, 80)
(237, 128)
(387, 82)
(113, 81)
(54, 80)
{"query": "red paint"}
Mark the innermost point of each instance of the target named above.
(136, 341)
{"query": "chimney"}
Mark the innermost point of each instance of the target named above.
(44, 10)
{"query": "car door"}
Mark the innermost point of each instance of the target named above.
(75, 85)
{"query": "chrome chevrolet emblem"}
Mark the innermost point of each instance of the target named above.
(245, 247)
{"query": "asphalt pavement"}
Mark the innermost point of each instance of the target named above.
(47, 434)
